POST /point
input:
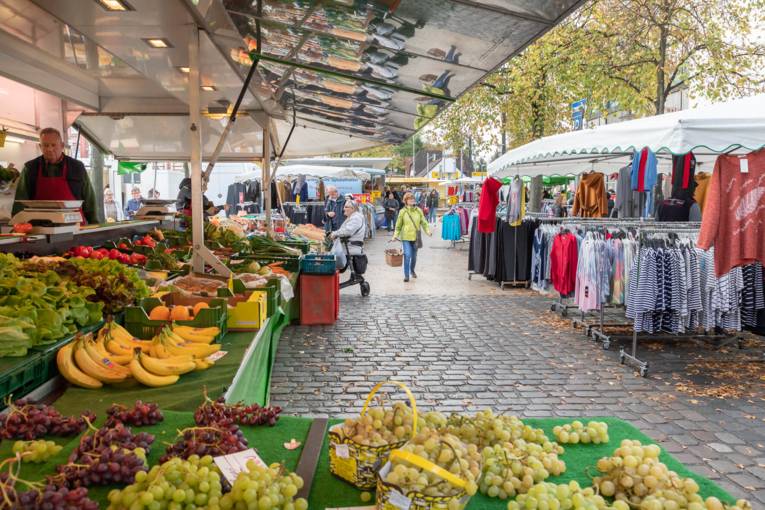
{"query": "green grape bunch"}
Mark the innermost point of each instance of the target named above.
(444, 450)
(380, 426)
(550, 496)
(36, 452)
(513, 468)
(596, 432)
(265, 488)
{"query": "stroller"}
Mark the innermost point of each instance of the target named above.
(358, 266)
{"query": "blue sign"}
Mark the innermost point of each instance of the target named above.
(577, 113)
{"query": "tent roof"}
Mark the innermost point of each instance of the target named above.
(319, 172)
(707, 131)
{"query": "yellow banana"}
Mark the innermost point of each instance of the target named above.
(168, 366)
(103, 370)
(96, 356)
(103, 352)
(191, 337)
(160, 351)
(212, 331)
(69, 370)
(117, 347)
(196, 349)
(119, 333)
(203, 364)
(147, 378)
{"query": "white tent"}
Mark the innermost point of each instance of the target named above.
(319, 172)
(707, 131)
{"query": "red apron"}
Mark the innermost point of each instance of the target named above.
(55, 188)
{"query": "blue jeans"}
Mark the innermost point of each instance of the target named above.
(432, 215)
(410, 257)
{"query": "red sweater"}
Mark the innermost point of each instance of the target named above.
(564, 257)
(734, 213)
(487, 206)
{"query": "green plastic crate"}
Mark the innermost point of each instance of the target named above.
(28, 374)
(139, 325)
(303, 246)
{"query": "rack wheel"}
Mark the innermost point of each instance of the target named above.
(564, 313)
(621, 358)
(606, 345)
(643, 371)
(552, 308)
(364, 288)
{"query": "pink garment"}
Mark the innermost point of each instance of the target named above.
(487, 206)
(585, 295)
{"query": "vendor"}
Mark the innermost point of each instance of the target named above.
(183, 202)
(56, 176)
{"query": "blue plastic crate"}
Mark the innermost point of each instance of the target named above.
(313, 263)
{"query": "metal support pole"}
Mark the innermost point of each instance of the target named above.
(267, 177)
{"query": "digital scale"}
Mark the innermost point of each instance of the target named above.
(50, 216)
(155, 209)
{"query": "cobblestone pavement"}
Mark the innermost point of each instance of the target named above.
(465, 345)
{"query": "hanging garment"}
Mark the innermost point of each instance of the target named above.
(643, 176)
(677, 210)
(487, 206)
(734, 221)
(450, 228)
(514, 251)
(721, 295)
(563, 263)
(590, 200)
(654, 199)
(683, 173)
(627, 203)
(516, 202)
(753, 294)
(702, 185)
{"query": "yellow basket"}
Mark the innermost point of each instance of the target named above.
(392, 497)
(357, 463)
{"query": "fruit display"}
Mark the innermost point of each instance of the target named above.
(140, 415)
(28, 421)
(40, 306)
(176, 312)
(38, 496)
(88, 252)
(635, 475)
(594, 432)
(194, 482)
(552, 496)
(218, 412)
(265, 488)
(115, 356)
(36, 451)
(379, 426)
(443, 450)
(212, 440)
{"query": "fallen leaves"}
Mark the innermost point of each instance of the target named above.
(293, 444)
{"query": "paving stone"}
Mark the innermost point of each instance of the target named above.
(720, 448)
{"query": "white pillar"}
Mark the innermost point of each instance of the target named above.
(195, 133)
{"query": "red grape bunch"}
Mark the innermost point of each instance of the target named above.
(117, 436)
(218, 412)
(213, 440)
(32, 421)
(142, 414)
(53, 497)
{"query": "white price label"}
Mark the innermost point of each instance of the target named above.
(342, 451)
(216, 355)
(398, 500)
(744, 165)
(233, 464)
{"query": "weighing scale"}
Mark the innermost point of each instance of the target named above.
(155, 209)
(50, 216)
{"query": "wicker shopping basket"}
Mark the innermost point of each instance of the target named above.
(394, 257)
(357, 463)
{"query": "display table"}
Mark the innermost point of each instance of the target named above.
(329, 491)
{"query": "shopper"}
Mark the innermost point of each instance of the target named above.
(391, 209)
(432, 204)
(411, 221)
(112, 211)
(333, 210)
(559, 205)
(134, 204)
(354, 228)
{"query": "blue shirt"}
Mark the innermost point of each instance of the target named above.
(133, 206)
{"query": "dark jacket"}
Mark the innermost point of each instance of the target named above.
(332, 224)
(391, 206)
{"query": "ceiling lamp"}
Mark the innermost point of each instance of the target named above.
(158, 42)
(208, 88)
(184, 69)
(115, 5)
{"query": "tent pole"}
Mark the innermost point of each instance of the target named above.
(201, 255)
(267, 176)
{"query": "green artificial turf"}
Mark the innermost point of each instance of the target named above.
(330, 491)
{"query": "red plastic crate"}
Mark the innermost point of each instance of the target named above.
(319, 298)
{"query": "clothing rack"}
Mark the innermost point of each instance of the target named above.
(306, 203)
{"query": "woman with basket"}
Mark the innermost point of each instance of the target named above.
(411, 221)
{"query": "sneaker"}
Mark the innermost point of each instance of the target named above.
(406, 280)
(414, 275)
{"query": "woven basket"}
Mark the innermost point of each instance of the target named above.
(394, 257)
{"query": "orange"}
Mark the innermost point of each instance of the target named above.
(159, 313)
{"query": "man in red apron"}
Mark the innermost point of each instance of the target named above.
(56, 176)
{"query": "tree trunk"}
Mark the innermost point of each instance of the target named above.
(660, 74)
(504, 132)
(537, 108)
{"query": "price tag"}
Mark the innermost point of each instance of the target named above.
(233, 464)
(216, 355)
(744, 165)
(398, 500)
(342, 451)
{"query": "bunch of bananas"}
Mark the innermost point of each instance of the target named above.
(114, 356)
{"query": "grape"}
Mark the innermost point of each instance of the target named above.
(212, 440)
(595, 432)
(54, 497)
(36, 451)
(194, 481)
(552, 496)
(218, 412)
(446, 451)
(117, 436)
(365, 497)
(141, 414)
(33, 421)
(265, 488)
(379, 426)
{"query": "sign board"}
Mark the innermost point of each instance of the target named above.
(362, 198)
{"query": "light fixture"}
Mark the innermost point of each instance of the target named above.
(208, 88)
(15, 139)
(184, 69)
(158, 42)
(115, 5)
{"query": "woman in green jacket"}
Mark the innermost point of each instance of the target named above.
(410, 220)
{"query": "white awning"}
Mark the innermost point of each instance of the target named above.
(737, 125)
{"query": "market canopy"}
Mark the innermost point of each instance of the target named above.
(315, 171)
(737, 125)
(355, 73)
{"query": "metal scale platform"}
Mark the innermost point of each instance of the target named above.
(50, 216)
(155, 209)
